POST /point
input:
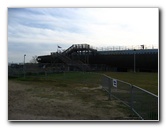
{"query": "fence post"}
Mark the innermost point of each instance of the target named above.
(131, 98)
(131, 94)
(45, 73)
(109, 89)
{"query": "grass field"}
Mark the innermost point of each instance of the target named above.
(64, 96)
(71, 96)
(147, 81)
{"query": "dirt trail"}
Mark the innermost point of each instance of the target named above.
(33, 101)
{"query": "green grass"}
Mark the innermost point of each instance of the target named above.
(64, 78)
(147, 81)
(71, 86)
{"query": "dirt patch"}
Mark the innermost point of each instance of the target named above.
(45, 101)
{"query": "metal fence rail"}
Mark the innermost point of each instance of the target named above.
(141, 102)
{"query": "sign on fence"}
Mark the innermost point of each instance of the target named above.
(115, 83)
(143, 103)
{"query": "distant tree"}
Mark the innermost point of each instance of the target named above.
(33, 60)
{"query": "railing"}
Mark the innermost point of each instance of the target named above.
(70, 62)
(78, 47)
(142, 102)
(121, 48)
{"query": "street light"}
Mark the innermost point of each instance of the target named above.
(24, 58)
(24, 65)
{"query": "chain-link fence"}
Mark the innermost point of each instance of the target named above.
(20, 70)
(142, 103)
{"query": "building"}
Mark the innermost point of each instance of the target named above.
(85, 58)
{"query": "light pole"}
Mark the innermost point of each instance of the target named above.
(24, 65)
(134, 60)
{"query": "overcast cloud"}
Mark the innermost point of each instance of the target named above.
(38, 31)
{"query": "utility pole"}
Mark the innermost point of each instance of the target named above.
(134, 61)
(24, 65)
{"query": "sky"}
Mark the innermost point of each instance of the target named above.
(38, 31)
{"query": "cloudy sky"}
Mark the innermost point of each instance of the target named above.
(38, 31)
